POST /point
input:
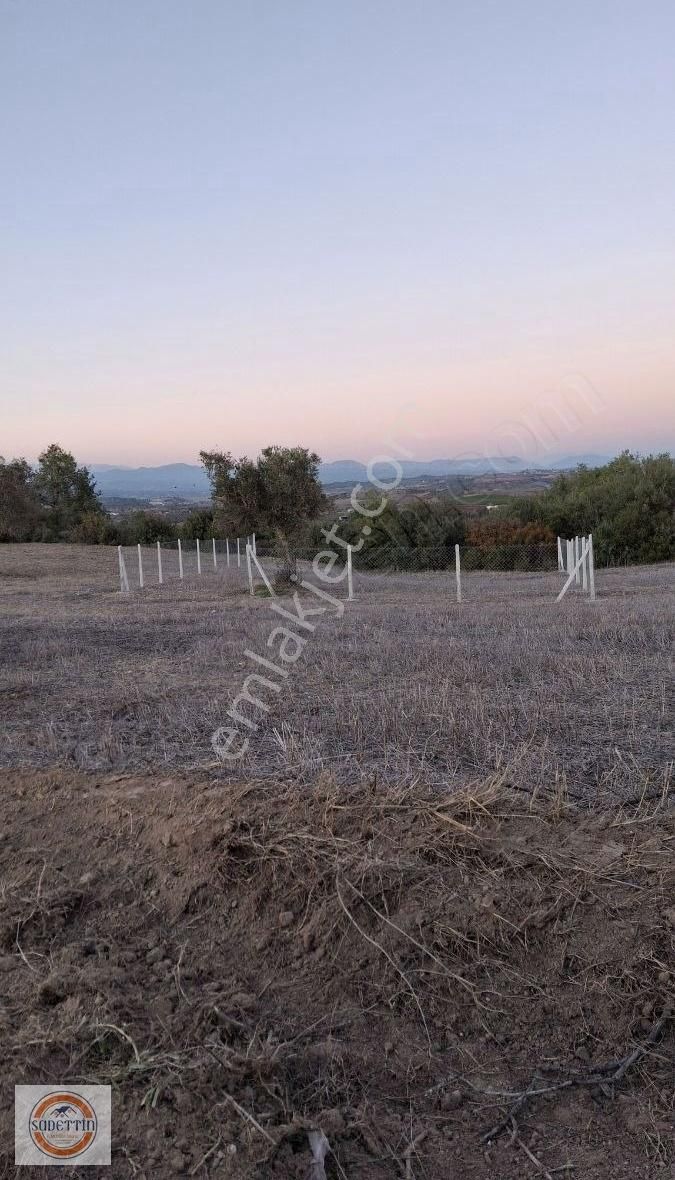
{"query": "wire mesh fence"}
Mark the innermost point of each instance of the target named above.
(245, 566)
(142, 566)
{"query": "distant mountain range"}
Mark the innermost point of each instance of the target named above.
(182, 481)
(351, 471)
(185, 481)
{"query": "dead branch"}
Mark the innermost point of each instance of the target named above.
(604, 1076)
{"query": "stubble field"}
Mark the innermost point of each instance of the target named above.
(426, 927)
(406, 685)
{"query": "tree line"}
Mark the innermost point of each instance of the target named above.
(628, 505)
(57, 501)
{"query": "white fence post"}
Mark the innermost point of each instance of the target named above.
(199, 558)
(227, 551)
(180, 559)
(584, 564)
(253, 558)
(458, 574)
(573, 572)
(238, 553)
(140, 568)
(350, 575)
(215, 559)
(253, 545)
(159, 563)
(591, 568)
(124, 580)
(248, 567)
(560, 556)
(577, 554)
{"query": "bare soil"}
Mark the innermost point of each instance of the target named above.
(247, 962)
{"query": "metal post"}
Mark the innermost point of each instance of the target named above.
(215, 559)
(591, 568)
(560, 556)
(124, 580)
(180, 559)
(140, 568)
(227, 551)
(577, 555)
(584, 564)
(238, 553)
(199, 558)
(458, 574)
(253, 544)
(350, 575)
(248, 567)
(159, 563)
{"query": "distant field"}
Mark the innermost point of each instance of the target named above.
(407, 686)
(481, 499)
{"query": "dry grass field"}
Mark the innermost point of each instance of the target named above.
(406, 686)
(427, 924)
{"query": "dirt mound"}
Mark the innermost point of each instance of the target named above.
(464, 986)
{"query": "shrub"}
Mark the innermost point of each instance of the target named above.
(198, 525)
(629, 506)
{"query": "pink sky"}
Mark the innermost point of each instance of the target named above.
(284, 223)
(526, 403)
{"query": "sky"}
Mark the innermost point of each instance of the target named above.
(447, 228)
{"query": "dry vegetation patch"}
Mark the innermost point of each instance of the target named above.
(470, 985)
(407, 686)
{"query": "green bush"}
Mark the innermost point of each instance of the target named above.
(198, 525)
(145, 528)
(628, 506)
(420, 535)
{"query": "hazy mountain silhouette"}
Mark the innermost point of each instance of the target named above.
(187, 481)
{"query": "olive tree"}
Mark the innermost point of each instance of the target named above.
(279, 493)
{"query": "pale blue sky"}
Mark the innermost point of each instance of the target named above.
(238, 224)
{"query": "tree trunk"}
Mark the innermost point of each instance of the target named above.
(287, 572)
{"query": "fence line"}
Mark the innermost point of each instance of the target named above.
(572, 556)
(153, 566)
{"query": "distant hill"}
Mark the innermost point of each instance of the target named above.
(186, 481)
(183, 481)
(569, 462)
(351, 471)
